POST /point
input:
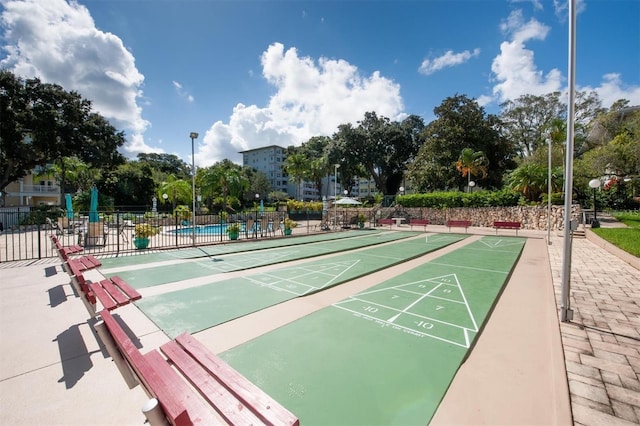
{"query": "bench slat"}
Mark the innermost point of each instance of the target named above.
(90, 261)
(114, 292)
(419, 222)
(103, 296)
(131, 292)
(175, 395)
(506, 225)
(163, 384)
(233, 410)
(268, 409)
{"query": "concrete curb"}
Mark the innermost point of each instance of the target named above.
(621, 254)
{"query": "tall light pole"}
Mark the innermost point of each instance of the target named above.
(595, 184)
(335, 193)
(193, 136)
(549, 194)
(566, 313)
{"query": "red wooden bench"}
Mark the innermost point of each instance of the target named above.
(67, 249)
(110, 292)
(419, 222)
(506, 225)
(82, 263)
(386, 222)
(458, 224)
(205, 391)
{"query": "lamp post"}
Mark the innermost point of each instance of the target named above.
(401, 189)
(471, 185)
(549, 194)
(193, 136)
(595, 184)
(335, 194)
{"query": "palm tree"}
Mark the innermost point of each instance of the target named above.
(176, 190)
(472, 163)
(224, 178)
(296, 166)
(530, 180)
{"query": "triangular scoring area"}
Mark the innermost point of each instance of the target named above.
(499, 242)
(302, 280)
(434, 307)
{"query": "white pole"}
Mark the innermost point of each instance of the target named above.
(549, 197)
(566, 314)
(335, 195)
(193, 136)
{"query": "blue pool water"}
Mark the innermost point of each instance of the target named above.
(216, 229)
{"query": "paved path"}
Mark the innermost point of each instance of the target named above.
(602, 343)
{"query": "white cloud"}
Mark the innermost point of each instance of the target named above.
(449, 59)
(561, 8)
(612, 89)
(537, 4)
(181, 92)
(514, 68)
(58, 42)
(312, 98)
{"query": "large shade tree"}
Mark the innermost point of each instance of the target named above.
(461, 123)
(377, 148)
(43, 123)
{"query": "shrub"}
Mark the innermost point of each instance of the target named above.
(290, 224)
(145, 230)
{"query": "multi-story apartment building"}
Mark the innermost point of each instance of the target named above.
(269, 160)
(32, 191)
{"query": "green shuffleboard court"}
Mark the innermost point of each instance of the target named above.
(225, 248)
(387, 355)
(198, 308)
(152, 274)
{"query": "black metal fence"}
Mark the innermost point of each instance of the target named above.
(25, 233)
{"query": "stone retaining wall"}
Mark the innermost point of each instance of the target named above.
(531, 217)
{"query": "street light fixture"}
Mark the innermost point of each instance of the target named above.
(595, 184)
(193, 136)
(335, 193)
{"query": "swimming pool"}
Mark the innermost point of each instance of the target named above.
(216, 229)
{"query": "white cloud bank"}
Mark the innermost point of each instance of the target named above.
(515, 71)
(58, 42)
(311, 98)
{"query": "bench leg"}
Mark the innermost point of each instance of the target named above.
(154, 414)
(117, 357)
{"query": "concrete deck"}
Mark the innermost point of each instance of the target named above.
(526, 368)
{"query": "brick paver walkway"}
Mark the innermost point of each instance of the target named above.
(602, 343)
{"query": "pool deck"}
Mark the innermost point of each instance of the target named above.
(526, 367)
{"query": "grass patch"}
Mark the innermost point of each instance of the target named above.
(627, 239)
(631, 219)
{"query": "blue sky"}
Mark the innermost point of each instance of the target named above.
(245, 74)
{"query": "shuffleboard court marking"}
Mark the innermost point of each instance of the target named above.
(500, 243)
(435, 307)
(473, 268)
(291, 279)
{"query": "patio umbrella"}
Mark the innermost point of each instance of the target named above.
(93, 209)
(346, 201)
(69, 206)
(261, 208)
